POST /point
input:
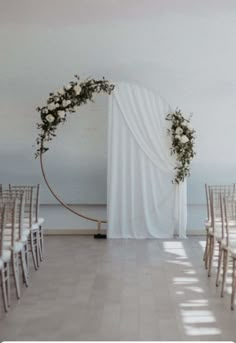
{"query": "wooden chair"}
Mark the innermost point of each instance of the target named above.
(228, 246)
(32, 220)
(15, 239)
(214, 229)
(5, 257)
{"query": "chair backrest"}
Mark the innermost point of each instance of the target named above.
(14, 208)
(2, 228)
(31, 201)
(215, 201)
(229, 209)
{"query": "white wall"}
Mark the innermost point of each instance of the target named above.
(184, 48)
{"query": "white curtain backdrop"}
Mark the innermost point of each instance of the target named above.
(142, 201)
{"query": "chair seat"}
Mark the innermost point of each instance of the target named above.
(217, 233)
(6, 256)
(231, 246)
(233, 252)
(35, 226)
(26, 232)
(24, 238)
(40, 220)
(18, 246)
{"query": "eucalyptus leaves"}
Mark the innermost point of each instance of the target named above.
(183, 136)
(64, 101)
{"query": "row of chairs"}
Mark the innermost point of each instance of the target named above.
(221, 233)
(20, 231)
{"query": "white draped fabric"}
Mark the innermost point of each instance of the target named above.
(142, 201)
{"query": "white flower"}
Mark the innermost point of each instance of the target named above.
(184, 139)
(68, 87)
(177, 137)
(61, 114)
(50, 118)
(179, 131)
(57, 105)
(61, 91)
(65, 103)
(77, 89)
(51, 106)
(45, 110)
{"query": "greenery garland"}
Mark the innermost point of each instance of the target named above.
(183, 137)
(64, 101)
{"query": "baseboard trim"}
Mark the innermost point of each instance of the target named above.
(196, 233)
(91, 232)
(71, 232)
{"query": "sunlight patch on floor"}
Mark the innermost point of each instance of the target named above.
(184, 280)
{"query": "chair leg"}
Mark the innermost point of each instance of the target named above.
(16, 273)
(211, 254)
(8, 276)
(206, 252)
(37, 246)
(233, 284)
(34, 249)
(41, 240)
(219, 266)
(225, 267)
(5, 286)
(26, 252)
(24, 267)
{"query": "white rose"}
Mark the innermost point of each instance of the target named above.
(179, 131)
(61, 114)
(61, 91)
(77, 89)
(45, 110)
(184, 139)
(51, 106)
(50, 118)
(68, 87)
(57, 105)
(177, 137)
(64, 103)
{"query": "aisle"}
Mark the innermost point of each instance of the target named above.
(90, 289)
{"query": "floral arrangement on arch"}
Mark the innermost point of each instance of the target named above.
(64, 101)
(182, 136)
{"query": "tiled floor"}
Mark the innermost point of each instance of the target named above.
(90, 289)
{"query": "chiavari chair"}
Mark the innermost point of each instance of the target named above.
(5, 257)
(33, 221)
(15, 239)
(214, 228)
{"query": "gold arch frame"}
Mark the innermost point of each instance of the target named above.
(98, 221)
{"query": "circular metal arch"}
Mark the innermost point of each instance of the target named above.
(98, 221)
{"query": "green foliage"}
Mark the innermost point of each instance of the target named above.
(62, 102)
(182, 136)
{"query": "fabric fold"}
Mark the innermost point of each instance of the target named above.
(142, 201)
